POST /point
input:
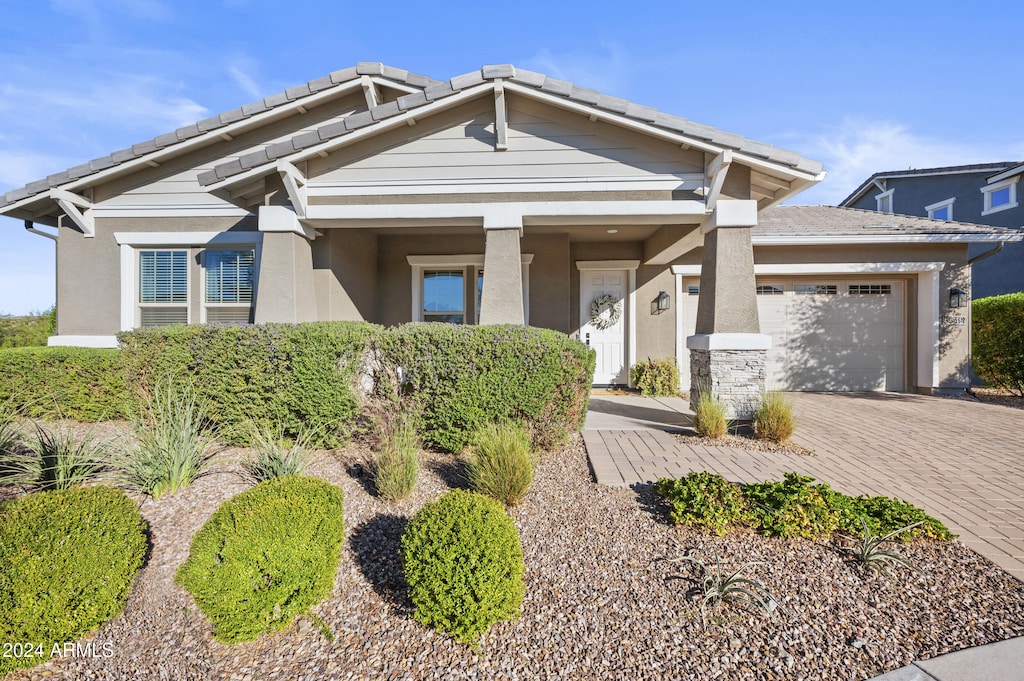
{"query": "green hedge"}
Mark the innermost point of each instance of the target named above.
(998, 340)
(463, 377)
(266, 556)
(656, 377)
(292, 376)
(85, 384)
(67, 561)
(464, 564)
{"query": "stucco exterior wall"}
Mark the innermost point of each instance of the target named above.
(345, 275)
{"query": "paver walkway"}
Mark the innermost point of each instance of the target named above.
(961, 461)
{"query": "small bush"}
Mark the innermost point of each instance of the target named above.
(709, 416)
(773, 419)
(997, 342)
(656, 377)
(704, 500)
(464, 564)
(28, 330)
(266, 556)
(501, 464)
(67, 561)
(793, 507)
(397, 464)
(84, 384)
(172, 448)
(274, 456)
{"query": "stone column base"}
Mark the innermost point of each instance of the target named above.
(733, 366)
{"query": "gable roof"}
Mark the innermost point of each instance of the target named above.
(213, 126)
(793, 224)
(927, 172)
(563, 90)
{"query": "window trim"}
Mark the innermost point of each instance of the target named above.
(939, 205)
(988, 190)
(880, 197)
(465, 261)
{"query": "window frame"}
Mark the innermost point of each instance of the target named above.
(463, 311)
(204, 304)
(140, 305)
(887, 194)
(471, 264)
(939, 205)
(990, 189)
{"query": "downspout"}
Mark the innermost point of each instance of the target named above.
(986, 254)
(30, 227)
(970, 327)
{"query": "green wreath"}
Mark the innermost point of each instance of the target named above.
(601, 305)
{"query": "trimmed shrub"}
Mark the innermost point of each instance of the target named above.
(998, 340)
(656, 377)
(709, 416)
(67, 561)
(501, 464)
(266, 556)
(298, 376)
(84, 384)
(466, 376)
(703, 499)
(464, 564)
(773, 419)
(397, 464)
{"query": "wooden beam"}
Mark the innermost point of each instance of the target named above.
(670, 242)
(295, 184)
(73, 199)
(715, 177)
(82, 220)
(370, 91)
(500, 117)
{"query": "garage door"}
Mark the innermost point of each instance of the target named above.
(829, 335)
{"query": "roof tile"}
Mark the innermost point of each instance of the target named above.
(384, 110)
(207, 177)
(232, 116)
(318, 84)
(584, 94)
(344, 75)
(253, 159)
(531, 78)
(254, 108)
(79, 171)
(411, 101)
(276, 99)
(464, 81)
(210, 123)
(17, 194)
(499, 71)
(358, 120)
(122, 155)
(276, 150)
(418, 80)
(228, 169)
(165, 140)
(58, 178)
(188, 132)
(331, 130)
(37, 186)
(393, 73)
(557, 87)
(99, 164)
(615, 104)
(296, 92)
(677, 123)
(145, 147)
(369, 68)
(645, 113)
(306, 139)
(438, 91)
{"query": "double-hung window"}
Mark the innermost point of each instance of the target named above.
(228, 295)
(163, 287)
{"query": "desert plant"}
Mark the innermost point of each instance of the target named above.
(501, 462)
(709, 415)
(656, 377)
(773, 419)
(704, 500)
(464, 564)
(67, 561)
(9, 437)
(52, 459)
(997, 340)
(266, 556)
(173, 446)
(869, 550)
(718, 585)
(397, 463)
(274, 456)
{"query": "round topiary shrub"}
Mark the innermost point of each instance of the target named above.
(266, 556)
(67, 561)
(464, 564)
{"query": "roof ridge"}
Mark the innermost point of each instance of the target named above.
(292, 94)
(882, 218)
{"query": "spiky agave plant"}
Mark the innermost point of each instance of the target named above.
(869, 549)
(719, 585)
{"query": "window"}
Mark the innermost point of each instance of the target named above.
(884, 201)
(770, 290)
(449, 288)
(816, 289)
(943, 210)
(163, 288)
(1000, 196)
(229, 285)
(444, 296)
(693, 290)
(870, 289)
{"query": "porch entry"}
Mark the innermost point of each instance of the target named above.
(606, 330)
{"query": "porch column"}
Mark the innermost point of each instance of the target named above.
(502, 299)
(728, 353)
(284, 285)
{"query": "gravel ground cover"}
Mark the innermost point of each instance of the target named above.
(599, 602)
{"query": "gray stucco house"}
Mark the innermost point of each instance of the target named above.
(505, 196)
(985, 193)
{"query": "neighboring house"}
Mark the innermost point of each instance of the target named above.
(985, 193)
(504, 196)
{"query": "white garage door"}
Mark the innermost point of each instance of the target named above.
(829, 335)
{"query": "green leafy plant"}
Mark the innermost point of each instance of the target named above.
(709, 415)
(869, 551)
(656, 377)
(52, 459)
(501, 463)
(773, 419)
(266, 556)
(793, 507)
(397, 463)
(884, 515)
(464, 564)
(173, 446)
(274, 456)
(704, 500)
(67, 561)
(718, 585)
(997, 340)
(84, 384)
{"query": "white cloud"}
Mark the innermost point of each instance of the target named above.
(240, 68)
(856, 149)
(606, 70)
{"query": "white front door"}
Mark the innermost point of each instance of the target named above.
(610, 342)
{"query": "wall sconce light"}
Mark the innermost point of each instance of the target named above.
(660, 304)
(957, 297)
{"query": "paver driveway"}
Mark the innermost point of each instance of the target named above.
(961, 461)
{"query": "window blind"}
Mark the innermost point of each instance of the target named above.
(163, 276)
(229, 276)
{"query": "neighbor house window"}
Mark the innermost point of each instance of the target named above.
(229, 285)
(943, 210)
(770, 290)
(816, 289)
(444, 296)
(884, 201)
(163, 288)
(1000, 196)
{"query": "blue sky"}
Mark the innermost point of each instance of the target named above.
(858, 86)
